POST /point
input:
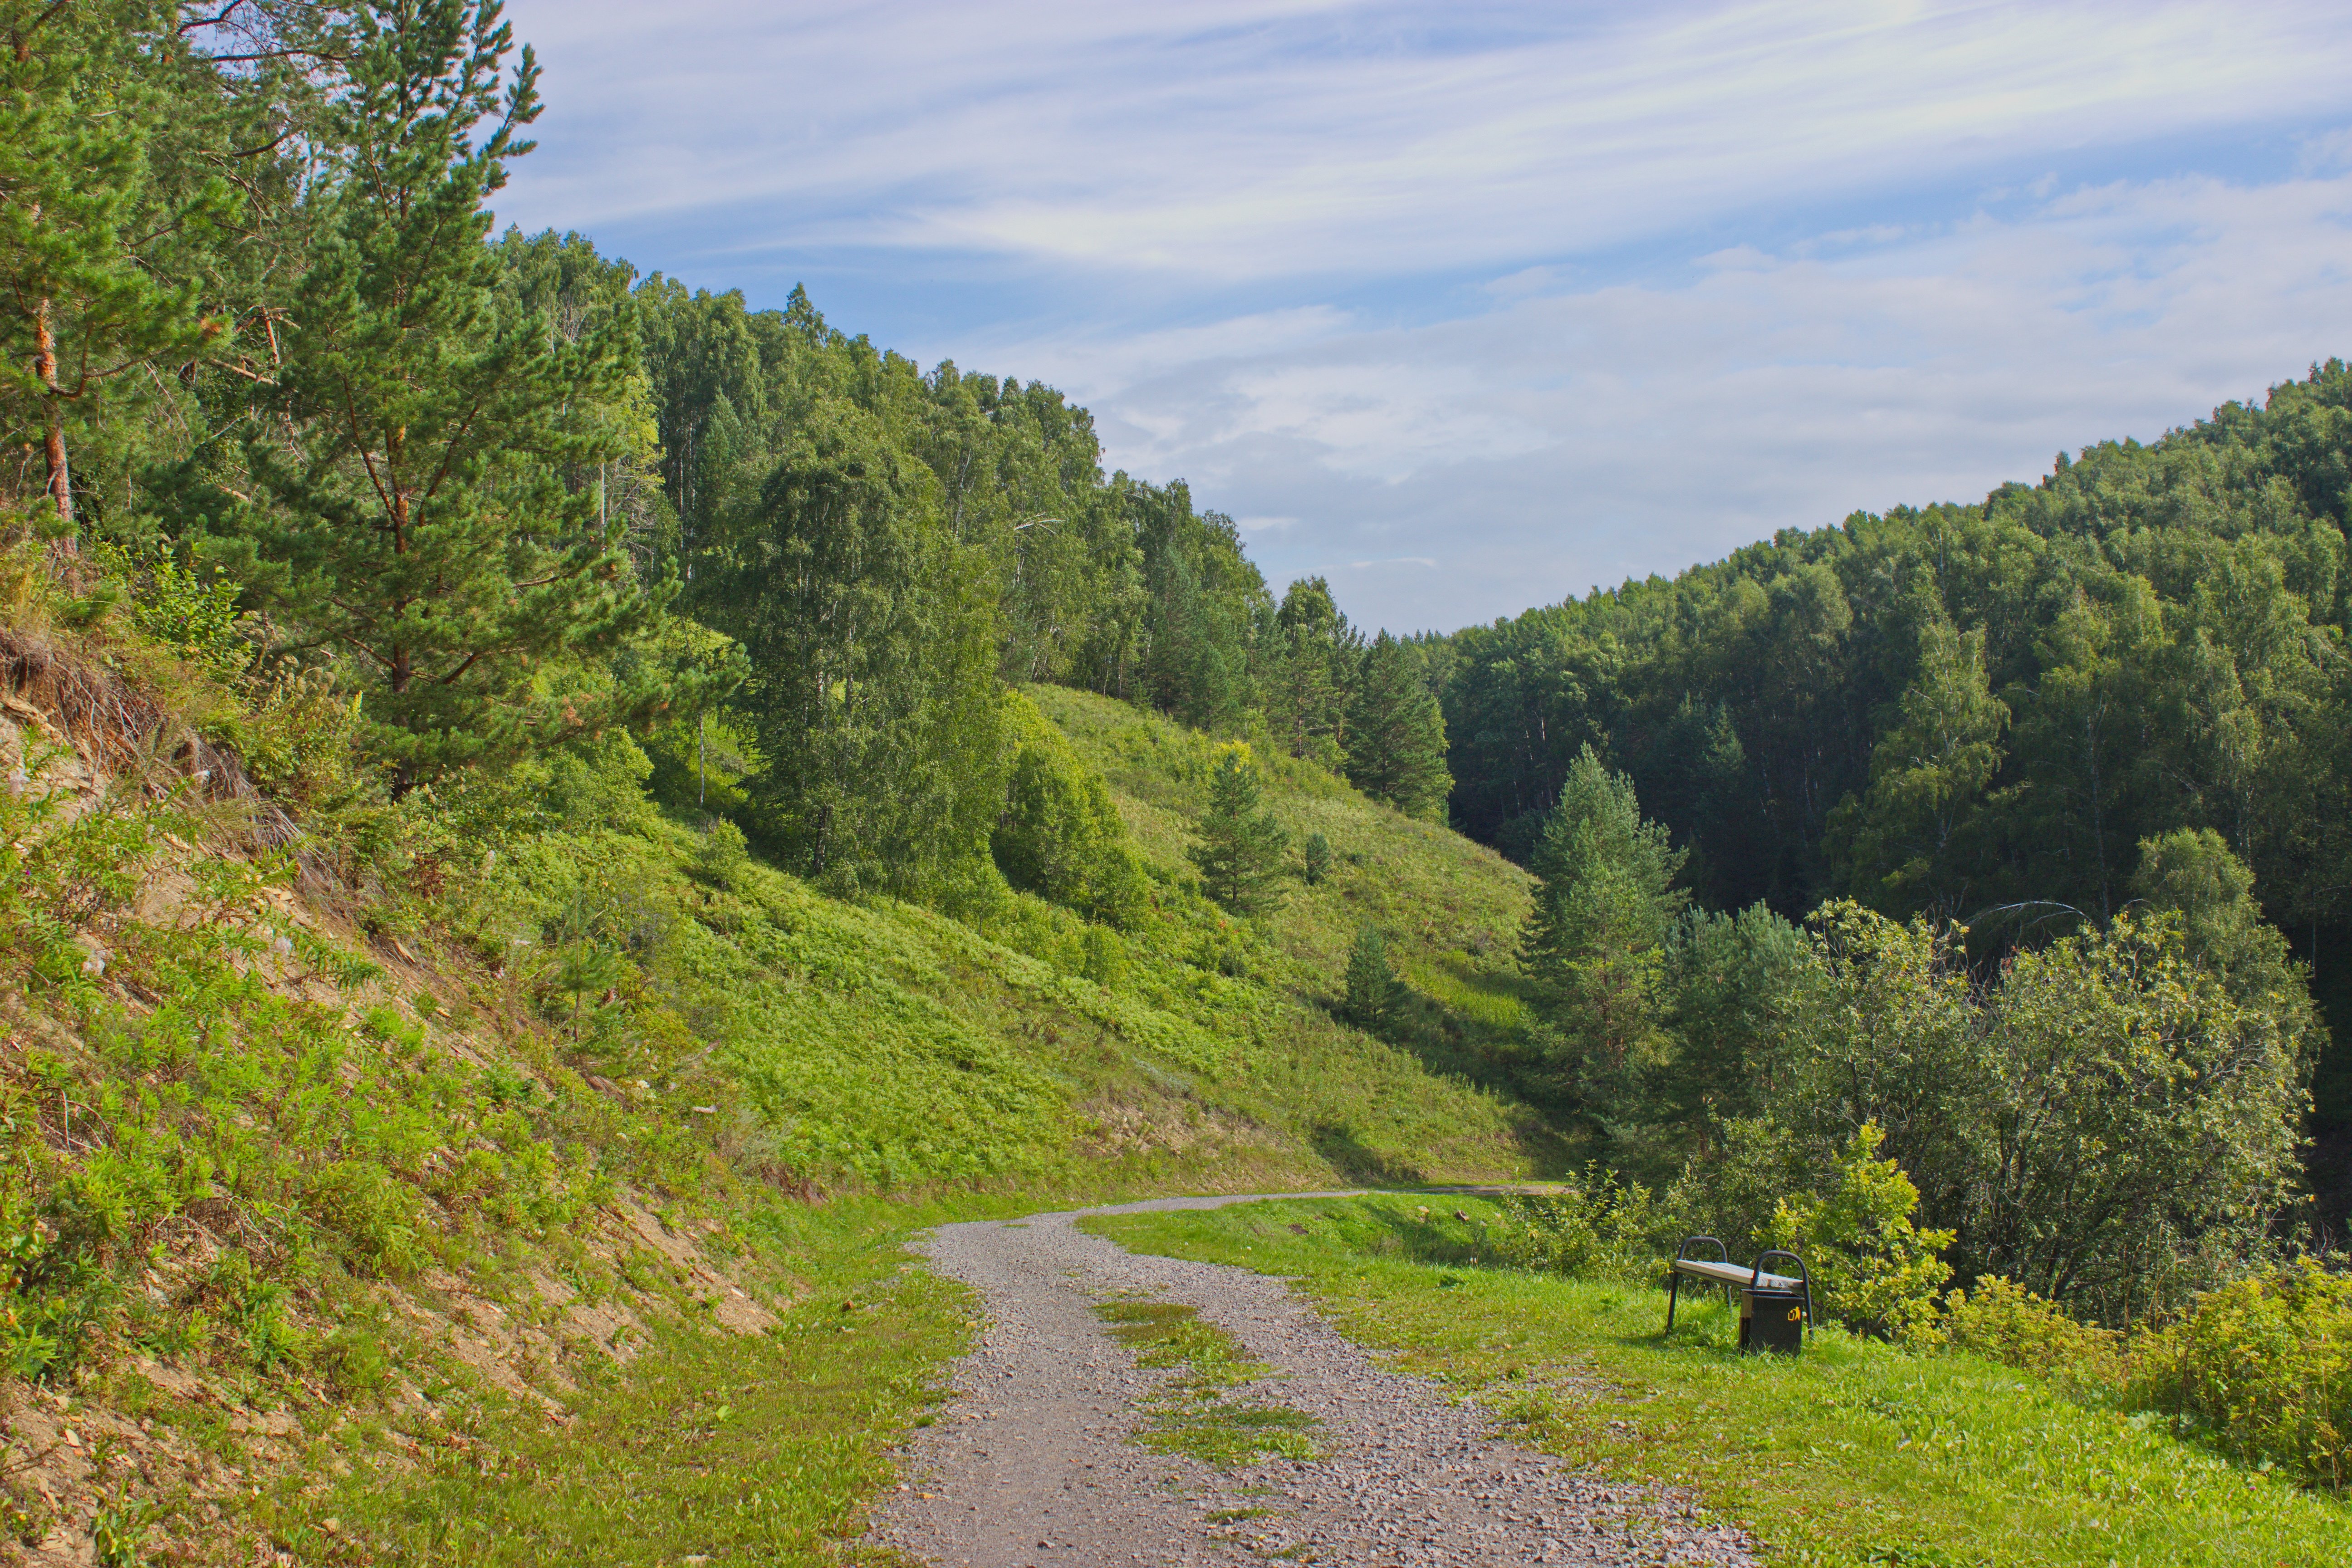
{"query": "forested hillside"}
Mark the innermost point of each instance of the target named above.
(540, 797)
(540, 786)
(1981, 712)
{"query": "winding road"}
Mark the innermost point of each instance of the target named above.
(1030, 1464)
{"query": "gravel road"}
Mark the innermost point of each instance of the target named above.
(1029, 1466)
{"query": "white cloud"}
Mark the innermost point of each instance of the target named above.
(1573, 439)
(1217, 140)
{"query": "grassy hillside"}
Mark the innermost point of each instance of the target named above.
(1430, 1098)
(382, 1167)
(519, 1174)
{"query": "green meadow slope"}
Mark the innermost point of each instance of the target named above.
(1427, 1099)
(407, 1176)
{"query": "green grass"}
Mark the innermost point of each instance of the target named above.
(1190, 1412)
(740, 1450)
(1434, 1097)
(1856, 1453)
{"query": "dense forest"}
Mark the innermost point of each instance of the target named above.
(1991, 835)
(1990, 714)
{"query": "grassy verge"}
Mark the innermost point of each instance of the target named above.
(723, 1449)
(1191, 1414)
(1855, 1453)
(705, 1447)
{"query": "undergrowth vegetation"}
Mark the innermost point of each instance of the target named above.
(2261, 1368)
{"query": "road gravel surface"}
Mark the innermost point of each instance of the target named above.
(1031, 1464)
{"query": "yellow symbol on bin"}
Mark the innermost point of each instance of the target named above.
(1795, 1312)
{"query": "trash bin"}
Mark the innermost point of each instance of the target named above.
(1771, 1319)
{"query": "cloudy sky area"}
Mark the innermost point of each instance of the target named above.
(1471, 307)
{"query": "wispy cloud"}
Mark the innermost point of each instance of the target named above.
(1228, 140)
(1593, 434)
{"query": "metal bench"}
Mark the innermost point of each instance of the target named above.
(1775, 1310)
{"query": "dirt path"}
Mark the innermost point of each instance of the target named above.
(1032, 1462)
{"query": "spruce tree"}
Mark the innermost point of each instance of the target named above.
(424, 503)
(1317, 857)
(1396, 735)
(1242, 848)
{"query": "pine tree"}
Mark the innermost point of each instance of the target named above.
(1242, 848)
(420, 520)
(1593, 944)
(80, 305)
(1396, 733)
(1373, 989)
(1317, 857)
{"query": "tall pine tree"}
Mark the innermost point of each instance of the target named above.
(1242, 847)
(1594, 943)
(83, 298)
(417, 519)
(1396, 733)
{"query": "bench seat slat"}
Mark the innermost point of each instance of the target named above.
(1733, 1274)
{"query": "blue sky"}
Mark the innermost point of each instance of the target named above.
(1472, 307)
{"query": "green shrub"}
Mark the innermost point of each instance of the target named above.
(375, 1215)
(1871, 1269)
(355, 1360)
(2006, 1322)
(1734, 1188)
(196, 618)
(1059, 835)
(2263, 1367)
(1607, 1228)
(1105, 962)
(724, 859)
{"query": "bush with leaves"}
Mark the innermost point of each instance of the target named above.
(2006, 1322)
(1604, 1229)
(1872, 1267)
(2108, 1122)
(1059, 835)
(2263, 1367)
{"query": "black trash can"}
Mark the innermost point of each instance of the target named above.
(1771, 1319)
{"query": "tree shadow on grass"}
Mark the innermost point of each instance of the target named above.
(1356, 1161)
